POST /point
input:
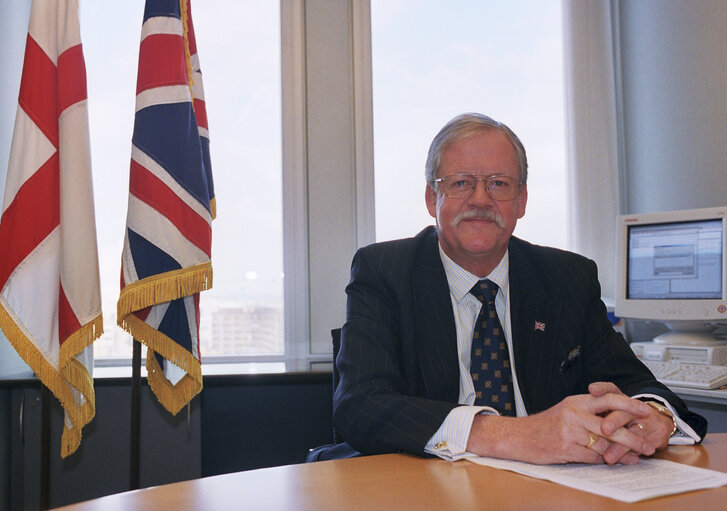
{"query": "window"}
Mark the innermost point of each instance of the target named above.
(239, 49)
(433, 60)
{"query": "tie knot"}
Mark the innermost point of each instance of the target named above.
(485, 290)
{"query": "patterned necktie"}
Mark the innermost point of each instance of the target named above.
(490, 362)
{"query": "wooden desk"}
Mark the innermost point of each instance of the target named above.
(399, 481)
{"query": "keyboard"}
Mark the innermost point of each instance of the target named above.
(681, 374)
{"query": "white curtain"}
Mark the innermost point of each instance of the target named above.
(592, 133)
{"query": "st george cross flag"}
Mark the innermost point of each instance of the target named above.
(50, 299)
(166, 256)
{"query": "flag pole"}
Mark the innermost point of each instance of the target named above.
(44, 490)
(134, 437)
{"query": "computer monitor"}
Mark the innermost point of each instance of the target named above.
(671, 268)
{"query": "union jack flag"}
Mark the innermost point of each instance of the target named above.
(50, 298)
(539, 325)
(167, 246)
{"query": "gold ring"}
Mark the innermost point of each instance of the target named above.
(642, 428)
(592, 439)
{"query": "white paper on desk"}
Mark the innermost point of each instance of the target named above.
(647, 479)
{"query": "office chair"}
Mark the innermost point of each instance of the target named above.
(336, 341)
(339, 449)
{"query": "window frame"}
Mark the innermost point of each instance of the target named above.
(321, 231)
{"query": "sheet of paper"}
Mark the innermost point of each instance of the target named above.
(629, 483)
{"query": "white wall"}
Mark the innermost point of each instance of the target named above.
(674, 77)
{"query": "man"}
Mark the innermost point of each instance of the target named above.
(540, 376)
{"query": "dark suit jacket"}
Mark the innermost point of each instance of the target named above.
(399, 376)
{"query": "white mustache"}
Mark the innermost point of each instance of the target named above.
(482, 214)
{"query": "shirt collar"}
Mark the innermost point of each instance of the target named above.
(461, 281)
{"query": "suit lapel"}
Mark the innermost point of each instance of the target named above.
(534, 316)
(436, 336)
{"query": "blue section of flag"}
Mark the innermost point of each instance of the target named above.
(207, 166)
(161, 8)
(158, 131)
(148, 258)
(175, 324)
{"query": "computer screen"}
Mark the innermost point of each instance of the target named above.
(671, 268)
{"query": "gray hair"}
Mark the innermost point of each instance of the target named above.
(463, 126)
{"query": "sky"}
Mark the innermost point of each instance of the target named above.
(433, 60)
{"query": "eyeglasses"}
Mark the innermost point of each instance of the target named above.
(461, 186)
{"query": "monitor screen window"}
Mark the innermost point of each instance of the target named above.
(679, 261)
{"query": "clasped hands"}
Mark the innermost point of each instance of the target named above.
(603, 426)
(626, 433)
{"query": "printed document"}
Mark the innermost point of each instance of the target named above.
(647, 479)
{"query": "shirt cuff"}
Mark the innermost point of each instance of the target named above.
(450, 440)
(684, 435)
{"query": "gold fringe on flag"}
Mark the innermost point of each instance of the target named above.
(76, 372)
(69, 381)
(161, 288)
(183, 6)
(172, 397)
(155, 290)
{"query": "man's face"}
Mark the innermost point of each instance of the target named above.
(477, 244)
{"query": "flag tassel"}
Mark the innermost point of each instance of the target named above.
(161, 288)
(172, 397)
(156, 289)
(72, 377)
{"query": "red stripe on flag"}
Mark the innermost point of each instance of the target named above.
(71, 77)
(161, 62)
(38, 89)
(200, 111)
(143, 313)
(30, 218)
(152, 190)
(67, 321)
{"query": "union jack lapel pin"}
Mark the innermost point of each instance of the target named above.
(540, 325)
